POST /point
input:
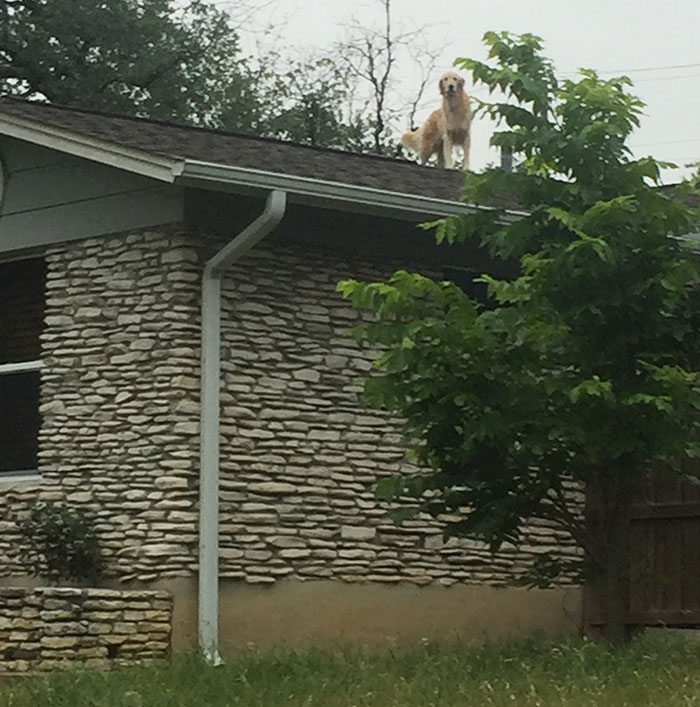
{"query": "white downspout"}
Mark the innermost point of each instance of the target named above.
(214, 270)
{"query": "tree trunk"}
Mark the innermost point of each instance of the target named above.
(615, 575)
(609, 501)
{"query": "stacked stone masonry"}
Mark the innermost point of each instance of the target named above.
(48, 628)
(300, 452)
(120, 400)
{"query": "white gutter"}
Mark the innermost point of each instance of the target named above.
(214, 270)
(328, 192)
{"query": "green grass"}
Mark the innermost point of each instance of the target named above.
(650, 671)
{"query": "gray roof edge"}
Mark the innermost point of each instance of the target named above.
(73, 143)
(170, 169)
(327, 192)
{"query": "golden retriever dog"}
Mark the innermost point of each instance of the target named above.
(446, 127)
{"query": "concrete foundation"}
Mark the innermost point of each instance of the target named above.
(295, 613)
(321, 613)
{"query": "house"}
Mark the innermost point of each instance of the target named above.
(168, 308)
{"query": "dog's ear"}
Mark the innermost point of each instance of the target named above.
(441, 86)
(460, 82)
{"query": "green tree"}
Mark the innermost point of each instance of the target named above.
(155, 59)
(584, 366)
(321, 110)
(314, 95)
(142, 57)
(303, 99)
(182, 62)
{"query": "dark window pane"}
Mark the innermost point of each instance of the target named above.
(22, 285)
(465, 280)
(22, 295)
(19, 421)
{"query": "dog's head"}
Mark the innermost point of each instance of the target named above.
(451, 84)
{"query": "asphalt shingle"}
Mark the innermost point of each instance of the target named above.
(226, 148)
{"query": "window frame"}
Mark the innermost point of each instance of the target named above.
(13, 367)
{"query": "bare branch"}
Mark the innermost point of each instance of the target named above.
(426, 63)
(371, 54)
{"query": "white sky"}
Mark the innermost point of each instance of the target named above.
(611, 36)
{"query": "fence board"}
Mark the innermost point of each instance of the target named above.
(664, 570)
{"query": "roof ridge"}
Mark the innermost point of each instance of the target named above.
(204, 129)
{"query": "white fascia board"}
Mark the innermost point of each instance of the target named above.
(327, 192)
(164, 169)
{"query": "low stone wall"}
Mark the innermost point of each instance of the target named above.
(48, 628)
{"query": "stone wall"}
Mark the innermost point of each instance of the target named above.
(300, 453)
(47, 628)
(120, 392)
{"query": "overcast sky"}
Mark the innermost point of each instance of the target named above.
(656, 44)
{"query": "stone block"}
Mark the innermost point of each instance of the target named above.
(287, 541)
(56, 642)
(294, 554)
(272, 487)
(434, 542)
(360, 533)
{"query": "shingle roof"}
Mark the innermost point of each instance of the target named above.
(238, 150)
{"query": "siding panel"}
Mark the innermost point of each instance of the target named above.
(51, 197)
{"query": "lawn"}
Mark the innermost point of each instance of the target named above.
(650, 671)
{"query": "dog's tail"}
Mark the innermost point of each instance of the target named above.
(410, 139)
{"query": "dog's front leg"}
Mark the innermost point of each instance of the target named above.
(447, 153)
(465, 148)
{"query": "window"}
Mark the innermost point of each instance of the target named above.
(22, 295)
(465, 279)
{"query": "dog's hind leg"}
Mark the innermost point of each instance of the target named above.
(438, 152)
(426, 152)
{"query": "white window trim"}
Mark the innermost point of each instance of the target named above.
(8, 368)
(20, 475)
(7, 478)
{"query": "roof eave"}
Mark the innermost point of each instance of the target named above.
(213, 175)
(328, 193)
(126, 158)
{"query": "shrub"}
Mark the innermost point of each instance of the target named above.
(62, 544)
